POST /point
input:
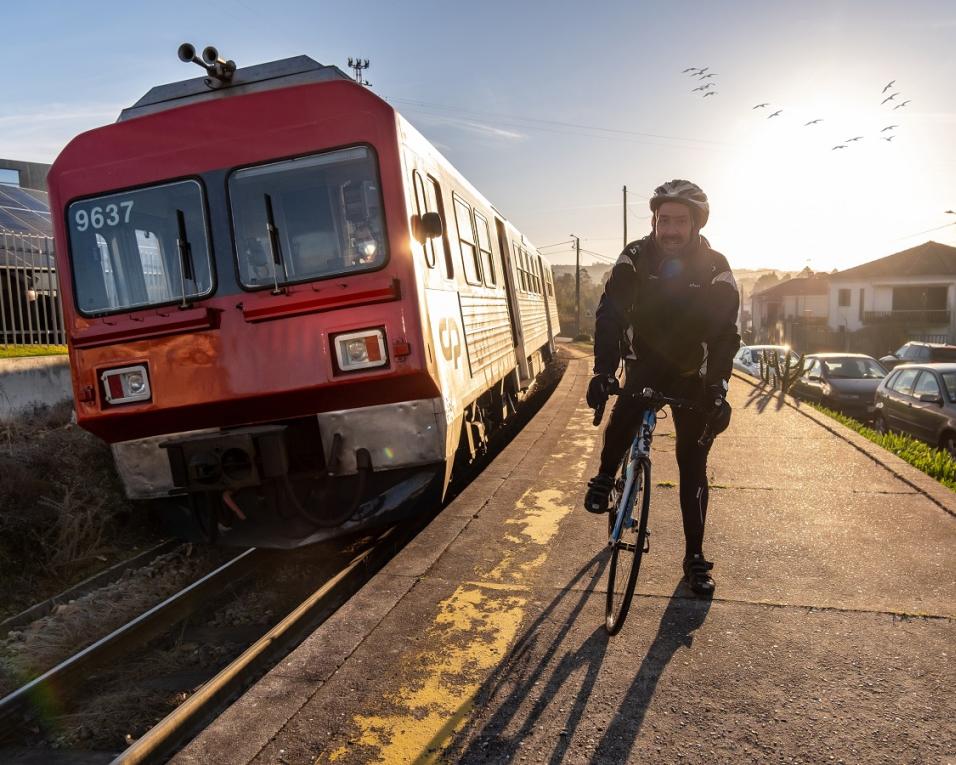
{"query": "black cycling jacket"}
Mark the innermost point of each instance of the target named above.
(672, 314)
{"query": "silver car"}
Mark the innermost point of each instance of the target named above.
(747, 359)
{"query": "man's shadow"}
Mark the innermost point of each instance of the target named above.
(682, 617)
(530, 662)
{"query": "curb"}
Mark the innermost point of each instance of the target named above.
(900, 468)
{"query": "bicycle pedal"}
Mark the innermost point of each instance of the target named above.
(647, 540)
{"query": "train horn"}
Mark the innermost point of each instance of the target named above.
(219, 72)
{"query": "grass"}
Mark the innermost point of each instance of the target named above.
(936, 463)
(63, 512)
(19, 351)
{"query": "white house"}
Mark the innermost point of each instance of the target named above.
(796, 301)
(913, 290)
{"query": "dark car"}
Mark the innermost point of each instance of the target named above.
(920, 400)
(920, 353)
(846, 382)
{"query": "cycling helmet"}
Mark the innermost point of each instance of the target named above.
(687, 193)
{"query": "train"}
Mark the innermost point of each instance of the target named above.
(286, 310)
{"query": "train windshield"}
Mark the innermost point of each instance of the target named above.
(308, 218)
(139, 248)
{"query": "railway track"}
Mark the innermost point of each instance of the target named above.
(330, 575)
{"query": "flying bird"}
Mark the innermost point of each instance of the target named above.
(710, 93)
(705, 76)
(702, 87)
(760, 106)
(888, 98)
(888, 85)
(857, 138)
(889, 127)
(889, 138)
(814, 122)
(841, 146)
(701, 71)
(775, 114)
(900, 106)
(689, 69)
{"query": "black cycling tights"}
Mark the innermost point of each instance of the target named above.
(691, 459)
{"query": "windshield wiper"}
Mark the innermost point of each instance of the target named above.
(185, 256)
(276, 247)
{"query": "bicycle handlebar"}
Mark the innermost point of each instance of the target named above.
(659, 401)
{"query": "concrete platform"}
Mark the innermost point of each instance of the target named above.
(831, 638)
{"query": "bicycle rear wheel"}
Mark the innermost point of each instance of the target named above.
(626, 554)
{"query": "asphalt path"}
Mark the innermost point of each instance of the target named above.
(830, 638)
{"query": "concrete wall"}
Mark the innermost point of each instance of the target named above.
(26, 382)
(32, 174)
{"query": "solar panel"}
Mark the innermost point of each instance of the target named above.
(28, 199)
(24, 222)
(24, 211)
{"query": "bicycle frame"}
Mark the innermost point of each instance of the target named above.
(640, 450)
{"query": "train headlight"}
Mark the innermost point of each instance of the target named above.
(360, 350)
(126, 385)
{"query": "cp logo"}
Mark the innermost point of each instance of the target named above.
(449, 338)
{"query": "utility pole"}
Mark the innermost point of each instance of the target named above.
(358, 65)
(625, 216)
(577, 284)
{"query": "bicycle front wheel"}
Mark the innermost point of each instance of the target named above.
(626, 554)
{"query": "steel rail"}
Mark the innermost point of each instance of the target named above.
(64, 679)
(88, 585)
(190, 717)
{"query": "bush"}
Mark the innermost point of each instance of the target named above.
(936, 463)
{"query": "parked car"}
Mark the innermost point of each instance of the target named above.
(845, 382)
(920, 400)
(920, 353)
(747, 359)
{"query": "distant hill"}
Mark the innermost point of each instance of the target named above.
(746, 277)
(596, 272)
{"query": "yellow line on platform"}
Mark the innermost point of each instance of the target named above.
(472, 630)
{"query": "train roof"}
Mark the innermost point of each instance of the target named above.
(298, 70)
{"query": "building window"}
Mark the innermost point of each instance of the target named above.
(862, 290)
(9, 177)
(919, 298)
(844, 298)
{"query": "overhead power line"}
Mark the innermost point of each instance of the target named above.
(557, 126)
(926, 231)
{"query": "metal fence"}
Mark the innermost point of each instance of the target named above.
(30, 310)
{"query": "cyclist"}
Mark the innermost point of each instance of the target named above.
(669, 311)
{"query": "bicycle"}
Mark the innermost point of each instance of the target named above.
(632, 484)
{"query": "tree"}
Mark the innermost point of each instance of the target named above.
(766, 281)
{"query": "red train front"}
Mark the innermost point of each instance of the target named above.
(249, 317)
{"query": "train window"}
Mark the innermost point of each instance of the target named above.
(140, 248)
(519, 265)
(484, 246)
(421, 203)
(308, 218)
(466, 239)
(435, 204)
(549, 282)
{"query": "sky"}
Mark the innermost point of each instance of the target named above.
(550, 108)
